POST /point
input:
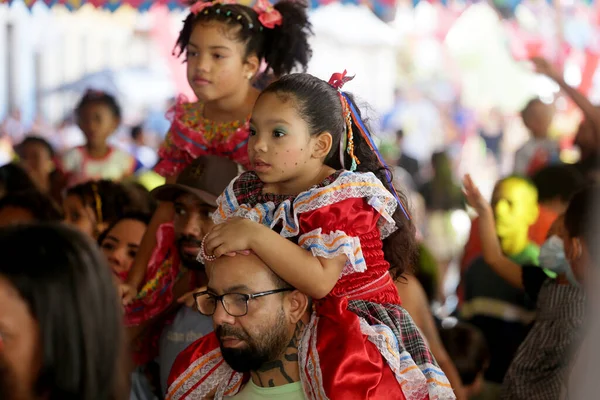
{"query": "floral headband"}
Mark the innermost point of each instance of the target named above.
(268, 16)
(337, 81)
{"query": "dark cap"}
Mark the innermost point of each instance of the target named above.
(206, 177)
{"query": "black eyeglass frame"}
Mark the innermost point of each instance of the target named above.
(247, 296)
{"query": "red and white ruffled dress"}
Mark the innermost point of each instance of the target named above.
(360, 343)
(190, 136)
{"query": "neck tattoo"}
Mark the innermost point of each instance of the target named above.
(284, 366)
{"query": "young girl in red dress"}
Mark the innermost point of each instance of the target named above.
(224, 44)
(318, 179)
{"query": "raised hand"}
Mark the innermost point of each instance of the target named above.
(542, 66)
(474, 197)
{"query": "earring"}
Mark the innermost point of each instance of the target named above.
(249, 76)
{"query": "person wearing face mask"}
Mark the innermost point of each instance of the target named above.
(540, 365)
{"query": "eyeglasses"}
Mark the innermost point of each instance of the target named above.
(234, 304)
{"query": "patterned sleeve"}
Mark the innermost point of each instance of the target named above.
(233, 202)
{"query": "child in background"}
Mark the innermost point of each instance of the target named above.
(27, 207)
(467, 347)
(93, 206)
(98, 116)
(13, 179)
(36, 156)
(539, 150)
(224, 46)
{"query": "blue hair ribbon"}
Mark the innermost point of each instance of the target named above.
(367, 136)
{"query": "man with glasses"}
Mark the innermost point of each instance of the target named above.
(258, 320)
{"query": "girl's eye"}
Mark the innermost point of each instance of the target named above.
(107, 246)
(179, 211)
(132, 253)
(252, 131)
(217, 56)
(190, 53)
(278, 133)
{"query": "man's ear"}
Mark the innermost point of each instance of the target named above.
(321, 145)
(297, 304)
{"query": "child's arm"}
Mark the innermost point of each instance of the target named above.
(313, 276)
(492, 252)
(163, 214)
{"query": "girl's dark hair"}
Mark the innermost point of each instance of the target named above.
(69, 290)
(558, 182)
(282, 48)
(141, 198)
(142, 217)
(13, 179)
(319, 105)
(99, 97)
(35, 140)
(113, 198)
(581, 216)
(38, 204)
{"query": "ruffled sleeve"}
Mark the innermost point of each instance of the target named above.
(334, 230)
(191, 136)
(331, 219)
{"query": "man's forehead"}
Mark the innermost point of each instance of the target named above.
(239, 271)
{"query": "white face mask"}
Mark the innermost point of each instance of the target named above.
(552, 257)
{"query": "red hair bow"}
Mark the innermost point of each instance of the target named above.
(268, 16)
(338, 80)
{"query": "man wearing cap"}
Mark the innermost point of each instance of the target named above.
(194, 196)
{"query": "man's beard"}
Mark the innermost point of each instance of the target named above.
(271, 344)
(188, 261)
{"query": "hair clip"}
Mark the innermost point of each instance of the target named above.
(338, 80)
(268, 16)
